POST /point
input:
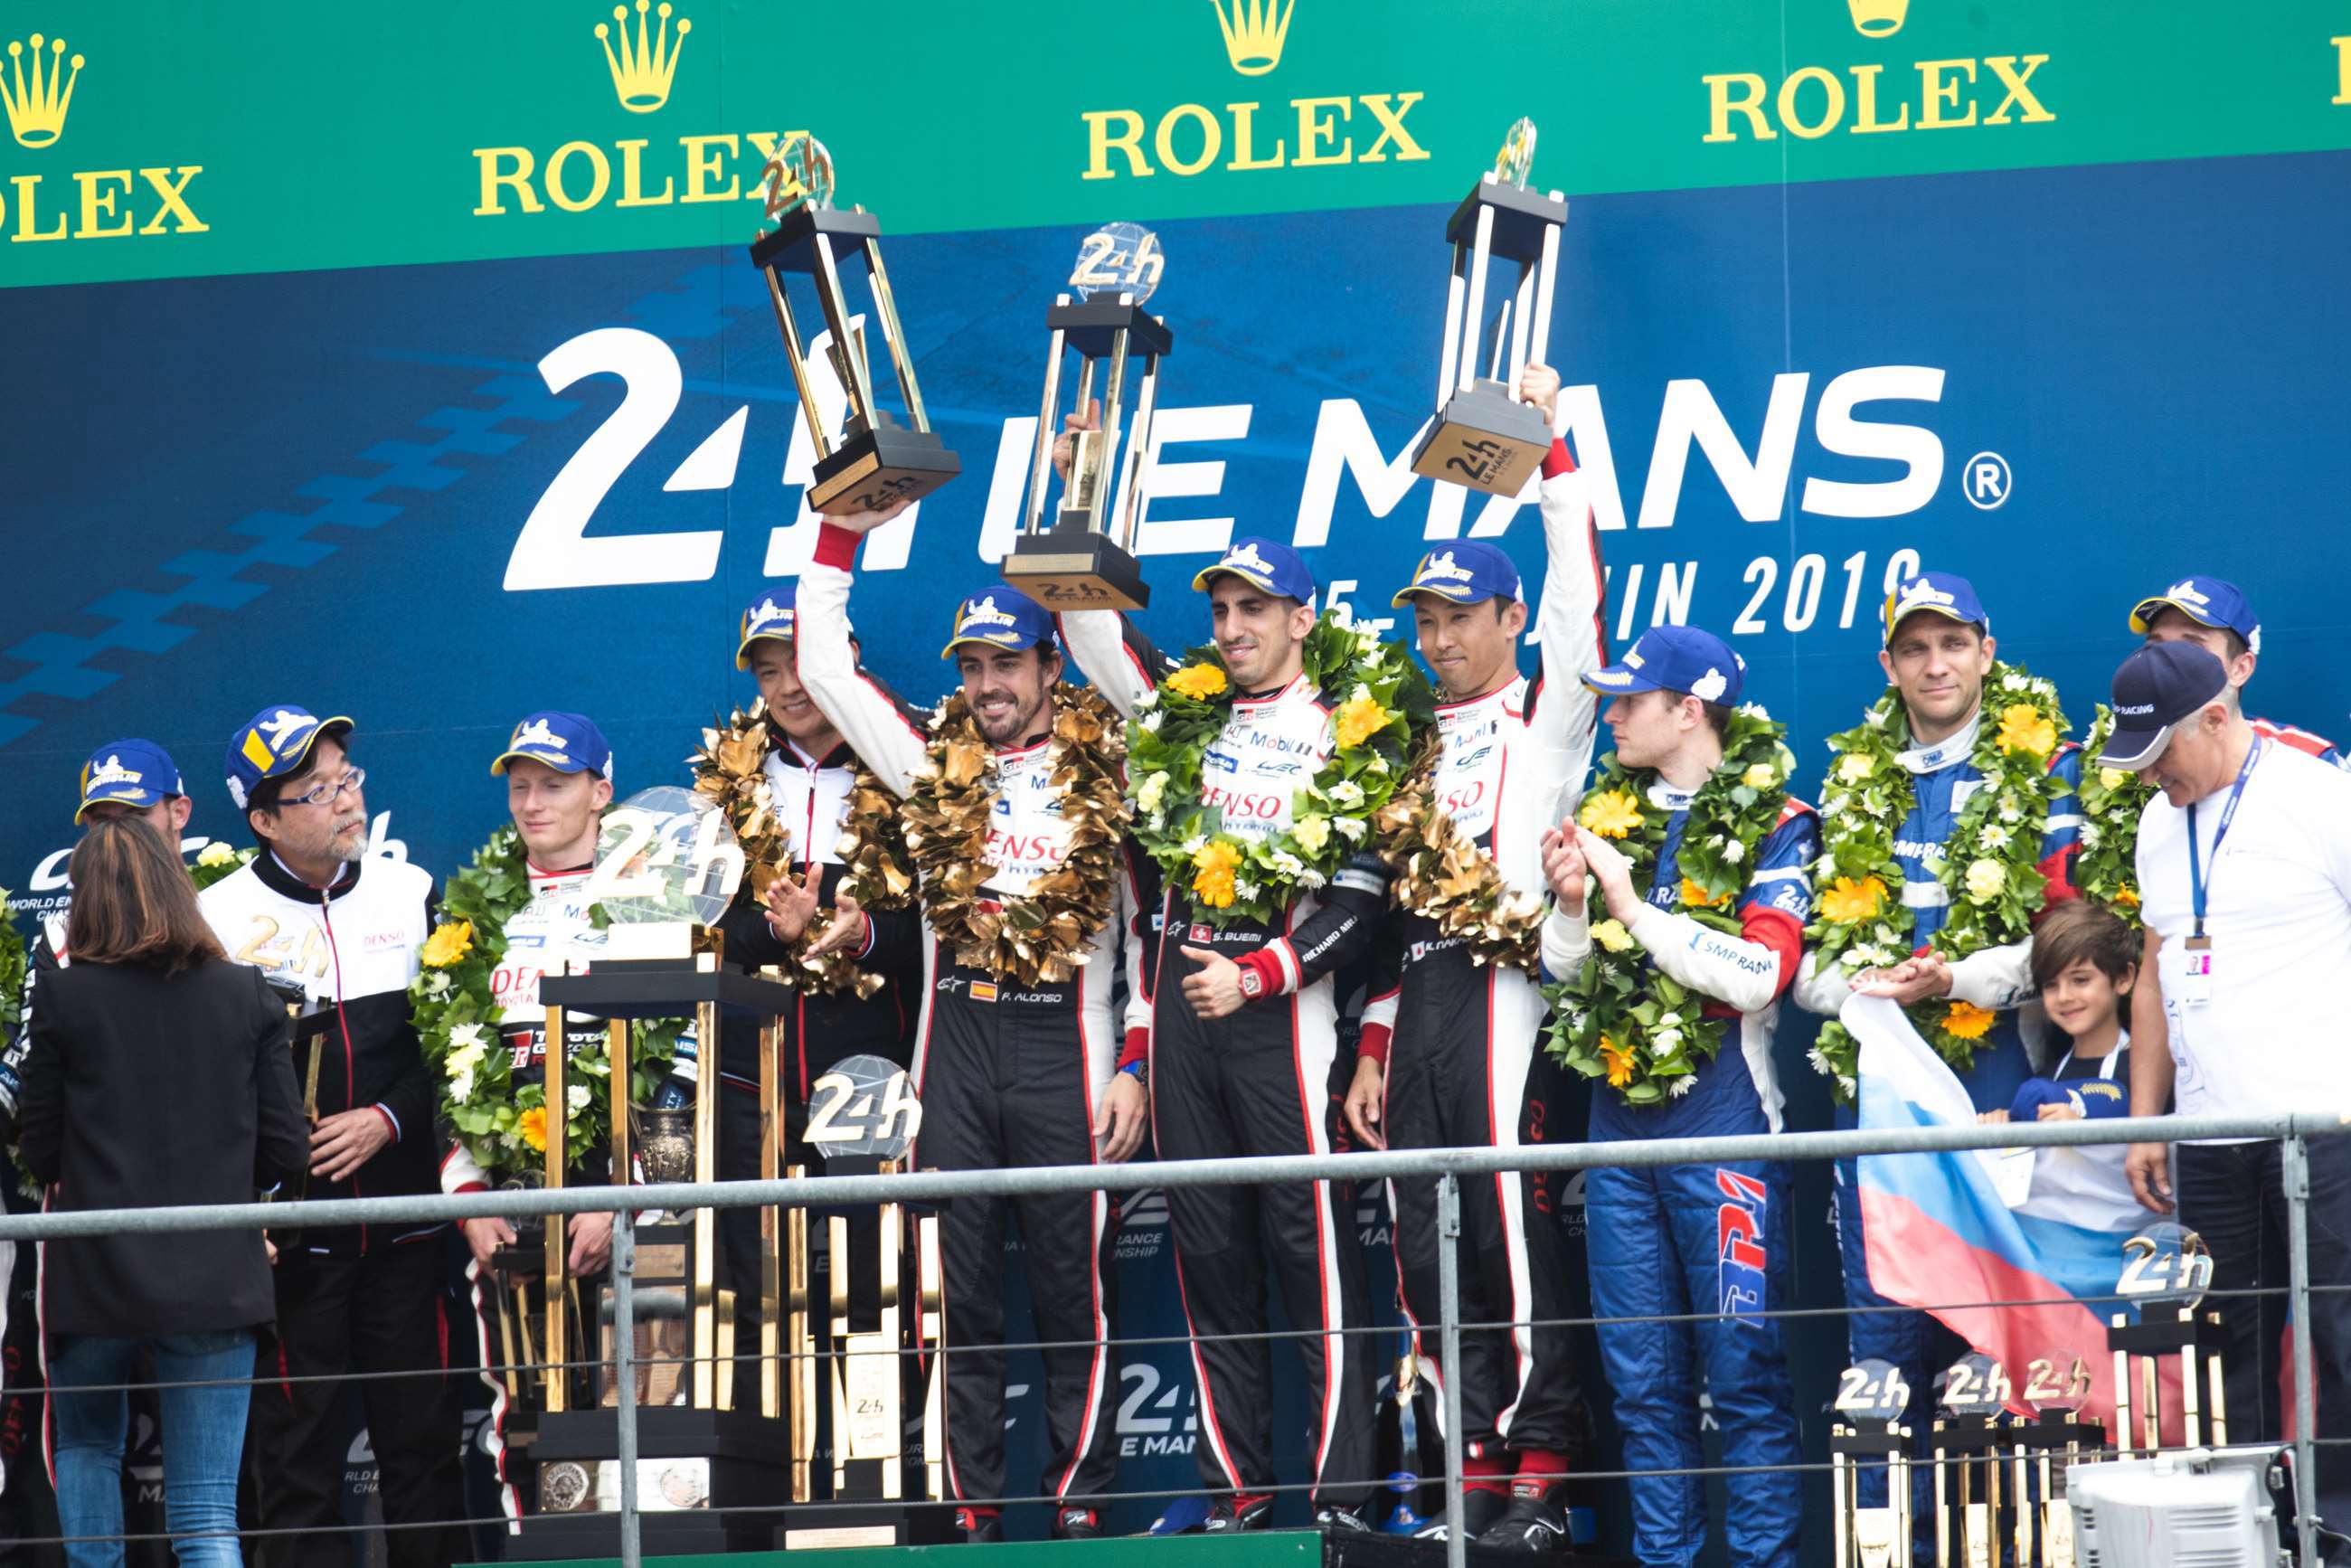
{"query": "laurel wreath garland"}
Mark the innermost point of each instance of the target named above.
(1620, 1018)
(1381, 702)
(2106, 872)
(1043, 935)
(217, 863)
(1989, 866)
(457, 1021)
(731, 770)
(1444, 875)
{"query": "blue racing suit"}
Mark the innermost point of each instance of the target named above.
(1999, 978)
(1676, 1239)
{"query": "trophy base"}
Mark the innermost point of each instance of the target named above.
(809, 1527)
(1071, 569)
(879, 468)
(1485, 439)
(1520, 216)
(690, 1462)
(596, 1537)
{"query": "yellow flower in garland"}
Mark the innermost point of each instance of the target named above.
(2113, 778)
(1618, 1060)
(1357, 720)
(531, 1126)
(1612, 935)
(2128, 895)
(2023, 728)
(1198, 682)
(1612, 814)
(448, 943)
(1967, 1020)
(1695, 897)
(1213, 867)
(1848, 900)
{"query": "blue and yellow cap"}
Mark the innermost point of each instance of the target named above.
(1944, 593)
(133, 773)
(567, 742)
(2207, 600)
(272, 744)
(1466, 573)
(1674, 659)
(1275, 568)
(773, 615)
(999, 617)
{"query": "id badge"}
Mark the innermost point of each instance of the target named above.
(2196, 977)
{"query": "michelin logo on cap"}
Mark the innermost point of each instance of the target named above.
(1444, 566)
(537, 732)
(111, 774)
(984, 612)
(767, 614)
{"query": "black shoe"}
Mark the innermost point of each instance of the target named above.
(979, 1529)
(1077, 1524)
(1230, 1514)
(1531, 1523)
(1480, 1507)
(1345, 1521)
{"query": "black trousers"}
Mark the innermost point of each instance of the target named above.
(2233, 1195)
(387, 1310)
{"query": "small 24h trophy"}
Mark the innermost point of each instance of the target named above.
(1085, 560)
(1870, 1400)
(1968, 1410)
(1483, 436)
(666, 868)
(2167, 1269)
(2043, 1447)
(878, 462)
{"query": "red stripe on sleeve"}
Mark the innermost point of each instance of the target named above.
(836, 546)
(1781, 931)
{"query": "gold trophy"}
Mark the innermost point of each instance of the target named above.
(878, 462)
(862, 1117)
(667, 867)
(1085, 560)
(1870, 1400)
(2041, 1450)
(1968, 1426)
(1483, 437)
(2167, 1269)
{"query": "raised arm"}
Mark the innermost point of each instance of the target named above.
(1569, 629)
(1112, 652)
(867, 715)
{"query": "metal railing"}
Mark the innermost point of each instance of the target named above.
(1447, 1166)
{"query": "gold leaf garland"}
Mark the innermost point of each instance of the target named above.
(1445, 876)
(1042, 936)
(731, 771)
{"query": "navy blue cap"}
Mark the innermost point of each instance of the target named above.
(272, 744)
(1466, 573)
(133, 773)
(1276, 568)
(1674, 659)
(2158, 687)
(2207, 602)
(567, 742)
(999, 616)
(773, 614)
(1945, 594)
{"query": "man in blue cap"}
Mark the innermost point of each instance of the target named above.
(1018, 1061)
(2244, 870)
(1679, 1239)
(1244, 1043)
(1449, 1055)
(321, 915)
(558, 774)
(2214, 614)
(1939, 654)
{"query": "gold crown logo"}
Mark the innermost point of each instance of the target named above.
(37, 108)
(641, 74)
(1252, 34)
(1878, 18)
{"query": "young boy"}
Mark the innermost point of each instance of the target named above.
(2084, 962)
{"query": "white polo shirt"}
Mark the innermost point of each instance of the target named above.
(2273, 1036)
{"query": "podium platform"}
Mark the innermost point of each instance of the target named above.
(1252, 1549)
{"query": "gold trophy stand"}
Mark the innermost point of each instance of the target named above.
(1870, 1537)
(2195, 1338)
(700, 1458)
(1970, 1508)
(2040, 1451)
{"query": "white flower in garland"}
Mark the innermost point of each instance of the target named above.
(436, 983)
(1152, 792)
(1346, 792)
(1762, 776)
(1985, 879)
(2015, 683)
(1855, 767)
(216, 853)
(1312, 831)
(1995, 837)
(576, 1098)
(1287, 865)
(1350, 828)
(1151, 720)
(1245, 891)
(2091, 833)
(1876, 718)
(1680, 1086)
(1733, 851)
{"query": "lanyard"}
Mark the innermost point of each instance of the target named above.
(2200, 881)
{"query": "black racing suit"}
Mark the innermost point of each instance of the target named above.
(1008, 1077)
(358, 1298)
(1259, 1081)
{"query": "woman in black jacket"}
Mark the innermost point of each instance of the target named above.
(159, 1074)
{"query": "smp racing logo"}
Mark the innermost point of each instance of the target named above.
(38, 80)
(1859, 99)
(1317, 132)
(1739, 1255)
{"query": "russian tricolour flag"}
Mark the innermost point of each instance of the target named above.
(1987, 1225)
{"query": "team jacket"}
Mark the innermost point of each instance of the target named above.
(1027, 837)
(354, 946)
(1745, 975)
(1999, 978)
(1515, 757)
(2302, 740)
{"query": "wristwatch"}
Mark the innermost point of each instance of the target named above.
(1252, 983)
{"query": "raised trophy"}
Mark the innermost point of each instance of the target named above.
(877, 462)
(2042, 1449)
(667, 866)
(862, 1117)
(1870, 1400)
(1085, 560)
(1971, 1399)
(1483, 436)
(2167, 1269)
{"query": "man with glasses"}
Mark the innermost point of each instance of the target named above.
(316, 913)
